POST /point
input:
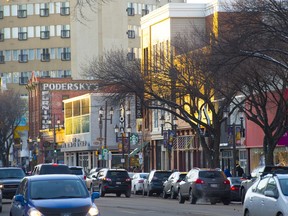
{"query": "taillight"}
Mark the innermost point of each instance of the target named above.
(141, 181)
(233, 188)
(199, 181)
(84, 177)
(226, 181)
(107, 179)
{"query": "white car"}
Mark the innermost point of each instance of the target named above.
(268, 196)
(78, 170)
(138, 182)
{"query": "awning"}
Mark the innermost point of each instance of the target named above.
(138, 149)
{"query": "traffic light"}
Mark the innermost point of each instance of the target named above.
(55, 148)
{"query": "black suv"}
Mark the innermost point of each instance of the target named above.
(10, 178)
(51, 168)
(154, 182)
(210, 184)
(112, 181)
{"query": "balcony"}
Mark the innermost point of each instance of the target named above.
(65, 33)
(23, 58)
(44, 12)
(45, 57)
(130, 11)
(1, 15)
(2, 59)
(131, 56)
(44, 34)
(22, 36)
(1, 37)
(66, 56)
(23, 80)
(64, 11)
(131, 34)
(22, 14)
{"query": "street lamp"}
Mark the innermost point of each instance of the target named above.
(54, 136)
(168, 135)
(232, 132)
(101, 114)
(122, 129)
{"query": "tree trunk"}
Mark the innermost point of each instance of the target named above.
(269, 148)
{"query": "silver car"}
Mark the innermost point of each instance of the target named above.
(268, 196)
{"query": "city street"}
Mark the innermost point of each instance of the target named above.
(155, 206)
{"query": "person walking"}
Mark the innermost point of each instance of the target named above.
(239, 170)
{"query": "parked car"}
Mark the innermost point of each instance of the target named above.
(53, 195)
(268, 196)
(235, 183)
(95, 169)
(78, 170)
(10, 178)
(138, 182)
(51, 168)
(210, 184)
(255, 174)
(170, 187)
(90, 181)
(154, 182)
(112, 181)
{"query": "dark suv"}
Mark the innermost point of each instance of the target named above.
(210, 184)
(112, 181)
(154, 181)
(10, 178)
(51, 168)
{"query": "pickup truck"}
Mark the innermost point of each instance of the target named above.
(257, 173)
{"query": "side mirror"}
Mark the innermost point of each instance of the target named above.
(19, 198)
(95, 195)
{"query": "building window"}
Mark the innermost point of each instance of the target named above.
(23, 80)
(1, 14)
(23, 57)
(66, 55)
(2, 58)
(131, 33)
(64, 9)
(145, 12)
(22, 36)
(131, 55)
(22, 11)
(65, 33)
(130, 11)
(1, 37)
(44, 10)
(44, 34)
(45, 56)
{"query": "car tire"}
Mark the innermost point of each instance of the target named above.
(118, 194)
(243, 193)
(226, 201)
(213, 201)
(164, 194)
(246, 213)
(102, 193)
(148, 191)
(173, 195)
(128, 194)
(192, 198)
(181, 199)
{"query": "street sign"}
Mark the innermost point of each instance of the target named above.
(140, 161)
(122, 160)
(105, 154)
(134, 138)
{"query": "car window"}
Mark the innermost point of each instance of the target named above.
(261, 186)
(161, 175)
(51, 169)
(182, 176)
(76, 171)
(284, 186)
(11, 173)
(210, 174)
(271, 186)
(117, 174)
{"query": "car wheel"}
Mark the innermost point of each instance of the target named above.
(118, 194)
(164, 194)
(173, 195)
(128, 194)
(246, 213)
(213, 201)
(181, 199)
(192, 198)
(226, 201)
(102, 193)
(243, 193)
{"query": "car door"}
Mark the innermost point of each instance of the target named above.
(269, 204)
(167, 183)
(16, 207)
(98, 180)
(187, 183)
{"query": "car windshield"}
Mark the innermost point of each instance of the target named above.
(57, 189)
(182, 176)
(11, 173)
(54, 169)
(161, 175)
(210, 174)
(284, 186)
(76, 171)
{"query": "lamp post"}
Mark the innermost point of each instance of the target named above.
(54, 136)
(123, 129)
(105, 118)
(168, 136)
(232, 131)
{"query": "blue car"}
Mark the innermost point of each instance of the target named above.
(57, 195)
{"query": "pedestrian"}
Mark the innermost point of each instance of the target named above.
(239, 170)
(227, 172)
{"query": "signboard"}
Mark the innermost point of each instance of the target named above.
(134, 139)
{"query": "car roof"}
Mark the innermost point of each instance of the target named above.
(52, 177)
(10, 168)
(76, 167)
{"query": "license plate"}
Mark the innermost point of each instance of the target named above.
(214, 185)
(118, 183)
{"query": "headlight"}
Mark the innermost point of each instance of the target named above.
(34, 212)
(1, 186)
(93, 211)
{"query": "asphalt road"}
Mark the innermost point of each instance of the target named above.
(155, 206)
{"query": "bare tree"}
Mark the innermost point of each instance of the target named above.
(12, 108)
(252, 50)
